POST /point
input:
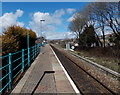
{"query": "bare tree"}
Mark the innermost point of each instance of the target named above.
(105, 14)
(100, 15)
(90, 19)
(77, 25)
(109, 13)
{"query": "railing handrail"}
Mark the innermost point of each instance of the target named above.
(32, 54)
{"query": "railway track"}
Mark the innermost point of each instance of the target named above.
(85, 82)
(102, 68)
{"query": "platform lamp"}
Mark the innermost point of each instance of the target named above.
(42, 20)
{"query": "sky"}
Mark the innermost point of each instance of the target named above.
(57, 16)
(59, 0)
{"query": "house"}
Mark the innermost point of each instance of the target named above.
(107, 42)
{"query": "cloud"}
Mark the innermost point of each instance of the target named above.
(59, 13)
(52, 22)
(70, 10)
(49, 26)
(9, 19)
(20, 24)
(19, 13)
(71, 18)
(59, 35)
(54, 35)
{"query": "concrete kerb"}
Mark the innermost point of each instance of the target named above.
(68, 77)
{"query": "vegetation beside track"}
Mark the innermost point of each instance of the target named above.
(100, 57)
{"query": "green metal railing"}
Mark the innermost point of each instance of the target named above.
(16, 66)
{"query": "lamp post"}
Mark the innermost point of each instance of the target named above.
(42, 20)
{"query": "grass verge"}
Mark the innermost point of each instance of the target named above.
(109, 62)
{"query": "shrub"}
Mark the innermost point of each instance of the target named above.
(15, 39)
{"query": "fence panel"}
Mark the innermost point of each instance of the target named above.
(15, 65)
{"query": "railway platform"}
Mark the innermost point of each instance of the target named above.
(45, 75)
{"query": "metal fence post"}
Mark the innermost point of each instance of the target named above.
(37, 49)
(10, 71)
(23, 60)
(33, 53)
(28, 56)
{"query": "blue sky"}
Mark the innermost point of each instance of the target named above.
(28, 14)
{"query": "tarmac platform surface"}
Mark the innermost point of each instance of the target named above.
(45, 75)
